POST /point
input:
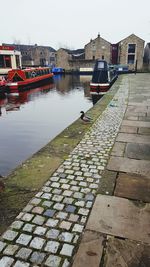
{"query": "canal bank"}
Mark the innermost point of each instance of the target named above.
(22, 184)
(55, 222)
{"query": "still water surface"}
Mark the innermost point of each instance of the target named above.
(31, 119)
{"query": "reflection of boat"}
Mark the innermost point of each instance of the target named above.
(12, 102)
(103, 77)
(2, 85)
(28, 78)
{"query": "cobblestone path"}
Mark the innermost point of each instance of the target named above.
(48, 230)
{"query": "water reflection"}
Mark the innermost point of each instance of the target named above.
(32, 118)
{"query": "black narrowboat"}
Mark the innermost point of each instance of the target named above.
(103, 77)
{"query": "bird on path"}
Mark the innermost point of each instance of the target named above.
(84, 117)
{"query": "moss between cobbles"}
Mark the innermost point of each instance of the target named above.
(22, 184)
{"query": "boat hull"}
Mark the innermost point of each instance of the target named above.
(28, 84)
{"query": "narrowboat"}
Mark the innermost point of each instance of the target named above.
(22, 79)
(103, 77)
(58, 70)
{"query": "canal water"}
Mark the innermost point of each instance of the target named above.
(29, 120)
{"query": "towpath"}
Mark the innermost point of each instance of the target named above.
(94, 210)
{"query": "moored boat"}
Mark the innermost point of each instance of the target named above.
(103, 77)
(22, 79)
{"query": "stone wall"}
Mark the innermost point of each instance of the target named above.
(98, 48)
(139, 51)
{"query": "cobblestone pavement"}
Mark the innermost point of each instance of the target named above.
(48, 230)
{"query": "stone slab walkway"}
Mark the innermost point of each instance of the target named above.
(119, 224)
(48, 230)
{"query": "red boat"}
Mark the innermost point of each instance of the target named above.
(22, 79)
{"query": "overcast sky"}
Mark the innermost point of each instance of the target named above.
(72, 23)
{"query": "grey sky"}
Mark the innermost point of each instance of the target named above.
(68, 23)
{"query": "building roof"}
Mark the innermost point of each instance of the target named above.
(23, 47)
(131, 36)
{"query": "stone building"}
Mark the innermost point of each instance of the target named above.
(131, 52)
(98, 48)
(34, 55)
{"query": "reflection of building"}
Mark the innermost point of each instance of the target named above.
(128, 51)
(9, 59)
(34, 55)
(147, 56)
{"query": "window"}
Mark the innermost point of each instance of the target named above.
(131, 59)
(2, 61)
(102, 56)
(100, 65)
(131, 48)
(5, 61)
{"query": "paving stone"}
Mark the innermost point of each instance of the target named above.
(46, 196)
(35, 201)
(53, 233)
(136, 123)
(67, 250)
(90, 250)
(37, 257)
(28, 227)
(40, 230)
(24, 253)
(73, 217)
(37, 243)
(49, 213)
(10, 235)
(78, 228)
(28, 208)
(21, 264)
(52, 246)
(66, 237)
(6, 261)
(51, 222)
(38, 210)
(133, 138)
(83, 211)
(2, 245)
(126, 253)
(133, 187)
(57, 198)
(24, 239)
(38, 220)
(53, 261)
(141, 167)
(62, 215)
(118, 149)
(118, 217)
(68, 200)
(128, 129)
(17, 224)
(10, 250)
(138, 151)
(70, 208)
(65, 225)
(58, 206)
(66, 263)
(107, 183)
(47, 203)
(144, 130)
(27, 217)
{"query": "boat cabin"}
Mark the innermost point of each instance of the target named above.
(9, 59)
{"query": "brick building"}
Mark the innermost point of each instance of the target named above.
(128, 51)
(131, 52)
(34, 55)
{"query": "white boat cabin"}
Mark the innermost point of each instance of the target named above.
(9, 59)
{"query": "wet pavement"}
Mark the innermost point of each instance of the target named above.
(94, 210)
